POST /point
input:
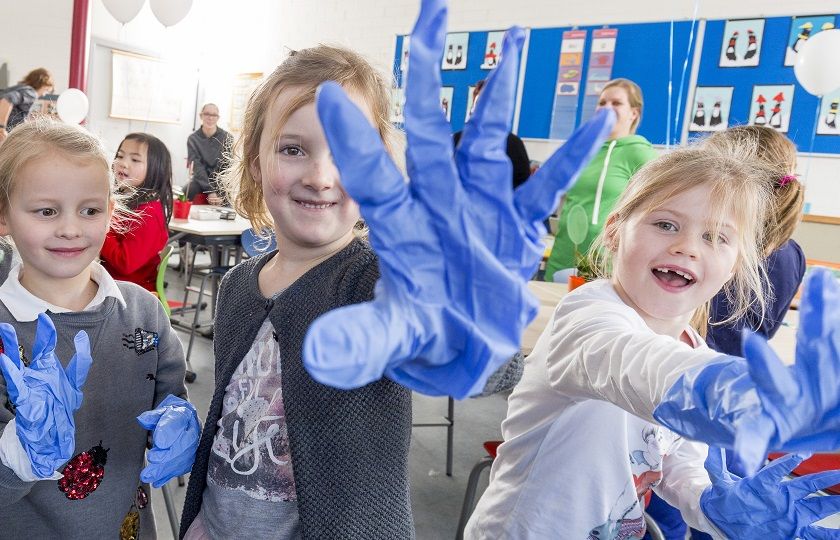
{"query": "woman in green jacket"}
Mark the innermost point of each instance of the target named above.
(605, 178)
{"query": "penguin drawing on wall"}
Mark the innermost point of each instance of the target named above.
(459, 55)
(449, 54)
(831, 116)
(699, 115)
(715, 119)
(760, 119)
(804, 34)
(730, 49)
(752, 45)
(776, 117)
(490, 57)
(444, 104)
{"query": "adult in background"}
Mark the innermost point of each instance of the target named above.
(515, 147)
(604, 179)
(16, 100)
(206, 149)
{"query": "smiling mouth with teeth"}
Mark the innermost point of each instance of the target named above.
(316, 206)
(673, 277)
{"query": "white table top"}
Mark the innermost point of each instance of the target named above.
(209, 227)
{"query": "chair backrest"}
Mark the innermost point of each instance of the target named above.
(159, 282)
(256, 244)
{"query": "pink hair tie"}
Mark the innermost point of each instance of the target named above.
(786, 179)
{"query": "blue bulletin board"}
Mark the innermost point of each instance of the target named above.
(771, 72)
(642, 54)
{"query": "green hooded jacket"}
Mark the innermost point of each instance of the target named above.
(598, 188)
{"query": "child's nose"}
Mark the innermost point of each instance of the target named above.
(322, 175)
(68, 227)
(685, 244)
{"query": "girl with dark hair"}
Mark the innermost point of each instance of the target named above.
(143, 167)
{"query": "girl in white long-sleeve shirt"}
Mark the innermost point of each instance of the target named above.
(582, 449)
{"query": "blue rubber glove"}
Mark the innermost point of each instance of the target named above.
(175, 434)
(765, 506)
(758, 404)
(456, 245)
(45, 394)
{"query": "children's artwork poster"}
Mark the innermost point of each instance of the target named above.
(455, 51)
(711, 108)
(404, 54)
(470, 102)
(493, 50)
(802, 28)
(741, 46)
(397, 105)
(828, 123)
(446, 94)
(569, 75)
(601, 60)
(771, 106)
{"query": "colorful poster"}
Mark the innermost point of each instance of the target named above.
(567, 89)
(397, 105)
(446, 94)
(455, 51)
(771, 106)
(828, 123)
(710, 111)
(741, 46)
(493, 50)
(802, 28)
(600, 60)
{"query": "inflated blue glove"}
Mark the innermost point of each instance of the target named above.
(456, 245)
(175, 434)
(45, 394)
(765, 506)
(757, 404)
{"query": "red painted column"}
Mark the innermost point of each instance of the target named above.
(79, 45)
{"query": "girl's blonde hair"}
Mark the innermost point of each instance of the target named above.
(733, 179)
(302, 71)
(779, 155)
(634, 98)
(43, 136)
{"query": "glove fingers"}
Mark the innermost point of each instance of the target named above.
(77, 369)
(537, 198)
(45, 337)
(751, 442)
(820, 507)
(821, 290)
(15, 385)
(370, 336)
(715, 465)
(775, 471)
(150, 419)
(819, 533)
(171, 427)
(429, 136)
(10, 344)
(774, 381)
(805, 485)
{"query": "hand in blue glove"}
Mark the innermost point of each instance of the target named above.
(45, 394)
(456, 245)
(765, 506)
(759, 404)
(175, 434)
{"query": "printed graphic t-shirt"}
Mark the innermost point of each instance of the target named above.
(250, 489)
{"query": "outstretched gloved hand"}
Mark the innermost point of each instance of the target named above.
(45, 394)
(766, 506)
(759, 404)
(456, 245)
(175, 434)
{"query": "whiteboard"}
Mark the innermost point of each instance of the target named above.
(145, 88)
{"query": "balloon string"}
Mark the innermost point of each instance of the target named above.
(813, 139)
(685, 63)
(670, 84)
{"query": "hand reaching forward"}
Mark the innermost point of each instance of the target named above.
(45, 394)
(175, 434)
(766, 506)
(456, 245)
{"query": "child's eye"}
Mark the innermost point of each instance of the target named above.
(90, 212)
(721, 239)
(665, 226)
(291, 150)
(46, 212)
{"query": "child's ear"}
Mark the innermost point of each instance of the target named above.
(611, 233)
(255, 170)
(4, 229)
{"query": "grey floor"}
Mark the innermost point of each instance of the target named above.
(436, 498)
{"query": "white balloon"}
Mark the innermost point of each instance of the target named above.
(72, 106)
(123, 10)
(170, 12)
(817, 64)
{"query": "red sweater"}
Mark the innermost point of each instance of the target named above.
(133, 256)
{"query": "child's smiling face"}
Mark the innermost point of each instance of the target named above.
(300, 182)
(58, 215)
(667, 263)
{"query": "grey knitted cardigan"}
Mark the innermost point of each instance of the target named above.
(349, 448)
